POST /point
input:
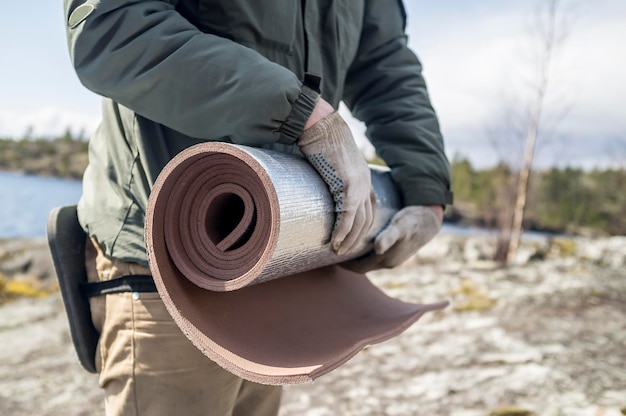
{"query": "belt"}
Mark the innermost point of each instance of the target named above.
(130, 283)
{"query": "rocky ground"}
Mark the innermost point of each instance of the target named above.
(546, 336)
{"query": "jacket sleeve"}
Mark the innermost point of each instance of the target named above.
(146, 56)
(385, 89)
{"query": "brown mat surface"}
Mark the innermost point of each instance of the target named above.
(224, 217)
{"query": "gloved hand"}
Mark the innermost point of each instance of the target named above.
(329, 146)
(410, 229)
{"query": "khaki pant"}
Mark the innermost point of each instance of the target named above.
(148, 367)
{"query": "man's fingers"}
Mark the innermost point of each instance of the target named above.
(363, 264)
(370, 210)
(343, 225)
(386, 239)
(359, 229)
(409, 230)
(353, 224)
(330, 148)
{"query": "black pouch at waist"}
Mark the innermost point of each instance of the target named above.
(66, 240)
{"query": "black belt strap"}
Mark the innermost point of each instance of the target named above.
(131, 283)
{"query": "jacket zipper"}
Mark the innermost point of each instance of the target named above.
(306, 37)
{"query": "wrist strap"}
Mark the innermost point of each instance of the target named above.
(301, 110)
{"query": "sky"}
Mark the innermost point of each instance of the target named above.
(478, 63)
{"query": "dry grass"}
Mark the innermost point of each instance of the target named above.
(11, 289)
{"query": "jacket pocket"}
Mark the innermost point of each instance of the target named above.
(268, 24)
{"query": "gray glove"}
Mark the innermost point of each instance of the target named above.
(329, 146)
(410, 229)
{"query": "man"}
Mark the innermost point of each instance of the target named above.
(178, 72)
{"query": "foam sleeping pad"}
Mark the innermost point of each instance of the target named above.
(238, 244)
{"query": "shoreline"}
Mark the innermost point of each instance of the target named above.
(457, 216)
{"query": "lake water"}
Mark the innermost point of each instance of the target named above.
(26, 200)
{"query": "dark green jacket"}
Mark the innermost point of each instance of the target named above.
(178, 72)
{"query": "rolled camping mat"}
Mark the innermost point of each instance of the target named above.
(223, 218)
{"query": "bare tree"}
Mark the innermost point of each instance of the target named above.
(549, 31)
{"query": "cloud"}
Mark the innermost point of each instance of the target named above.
(475, 57)
(478, 62)
(45, 122)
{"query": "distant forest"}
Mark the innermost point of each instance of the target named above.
(64, 156)
(569, 200)
(561, 200)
